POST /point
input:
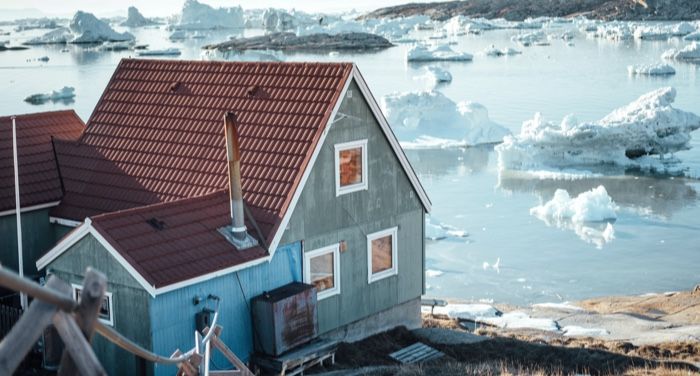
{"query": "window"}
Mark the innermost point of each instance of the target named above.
(381, 254)
(106, 313)
(322, 269)
(350, 167)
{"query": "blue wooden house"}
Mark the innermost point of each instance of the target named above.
(312, 187)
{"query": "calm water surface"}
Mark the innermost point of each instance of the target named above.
(657, 233)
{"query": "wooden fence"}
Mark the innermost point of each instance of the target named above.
(76, 322)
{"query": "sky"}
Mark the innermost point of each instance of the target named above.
(152, 8)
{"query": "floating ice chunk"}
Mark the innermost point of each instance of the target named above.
(116, 46)
(196, 15)
(660, 32)
(578, 331)
(659, 69)
(165, 52)
(436, 230)
(433, 273)
(436, 75)
(496, 266)
(520, 320)
(67, 93)
(615, 31)
(471, 312)
(565, 306)
(442, 52)
(59, 36)
(591, 206)
(529, 39)
(86, 28)
(136, 19)
(693, 36)
(493, 51)
(690, 52)
(627, 137)
(431, 113)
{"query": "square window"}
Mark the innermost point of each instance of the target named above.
(350, 167)
(106, 312)
(322, 269)
(382, 254)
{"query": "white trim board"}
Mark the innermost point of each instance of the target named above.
(64, 222)
(30, 208)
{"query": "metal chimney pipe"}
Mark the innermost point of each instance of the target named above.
(233, 155)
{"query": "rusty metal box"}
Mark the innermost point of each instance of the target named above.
(284, 318)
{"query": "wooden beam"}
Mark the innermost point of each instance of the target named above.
(94, 287)
(17, 343)
(221, 346)
(184, 368)
(79, 348)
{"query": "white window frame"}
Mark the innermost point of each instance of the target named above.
(394, 254)
(355, 187)
(335, 250)
(108, 295)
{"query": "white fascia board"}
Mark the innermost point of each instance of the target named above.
(64, 222)
(63, 245)
(393, 141)
(30, 208)
(307, 171)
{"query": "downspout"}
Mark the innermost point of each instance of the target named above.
(18, 211)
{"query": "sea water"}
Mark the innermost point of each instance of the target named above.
(509, 255)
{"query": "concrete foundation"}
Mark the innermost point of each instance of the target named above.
(406, 314)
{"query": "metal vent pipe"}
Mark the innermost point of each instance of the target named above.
(233, 155)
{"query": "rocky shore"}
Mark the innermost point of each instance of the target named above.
(518, 10)
(313, 42)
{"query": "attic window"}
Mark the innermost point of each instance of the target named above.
(156, 223)
(350, 167)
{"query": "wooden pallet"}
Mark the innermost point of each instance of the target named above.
(416, 353)
(297, 361)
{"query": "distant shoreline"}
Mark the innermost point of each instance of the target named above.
(514, 10)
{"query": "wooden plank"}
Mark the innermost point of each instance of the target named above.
(94, 287)
(415, 353)
(29, 328)
(226, 351)
(184, 368)
(79, 348)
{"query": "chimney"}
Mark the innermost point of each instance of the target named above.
(237, 233)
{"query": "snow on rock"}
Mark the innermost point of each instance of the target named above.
(431, 113)
(435, 75)
(436, 230)
(421, 53)
(591, 206)
(565, 306)
(86, 28)
(520, 320)
(493, 51)
(638, 135)
(658, 69)
(690, 52)
(578, 331)
(471, 312)
(136, 19)
(67, 93)
(196, 15)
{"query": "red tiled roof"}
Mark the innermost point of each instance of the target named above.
(182, 243)
(157, 135)
(38, 176)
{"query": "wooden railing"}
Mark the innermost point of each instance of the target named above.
(76, 322)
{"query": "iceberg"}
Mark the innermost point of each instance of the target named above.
(659, 69)
(693, 36)
(690, 52)
(528, 39)
(415, 115)
(278, 20)
(66, 94)
(436, 230)
(136, 19)
(627, 137)
(196, 15)
(660, 32)
(615, 31)
(591, 206)
(436, 75)
(442, 52)
(84, 28)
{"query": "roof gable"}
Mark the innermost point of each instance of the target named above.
(38, 176)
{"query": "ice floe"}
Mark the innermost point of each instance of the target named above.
(493, 51)
(659, 69)
(579, 331)
(164, 52)
(591, 206)
(196, 15)
(693, 36)
(529, 39)
(66, 94)
(415, 115)
(639, 135)
(660, 32)
(496, 266)
(690, 52)
(435, 75)
(442, 52)
(136, 19)
(615, 31)
(436, 230)
(84, 28)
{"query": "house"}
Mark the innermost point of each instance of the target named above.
(39, 182)
(328, 198)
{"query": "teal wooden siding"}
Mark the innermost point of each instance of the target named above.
(38, 236)
(130, 303)
(321, 219)
(172, 313)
